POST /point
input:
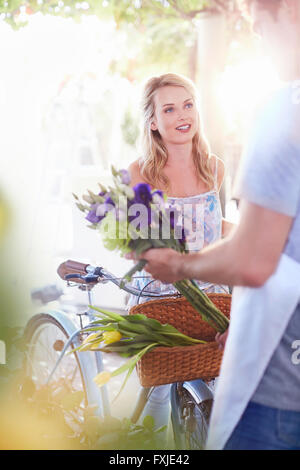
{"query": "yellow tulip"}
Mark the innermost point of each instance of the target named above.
(111, 336)
(95, 345)
(102, 378)
(83, 347)
(90, 338)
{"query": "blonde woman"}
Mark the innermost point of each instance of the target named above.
(176, 159)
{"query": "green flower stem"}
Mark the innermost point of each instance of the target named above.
(137, 267)
(203, 305)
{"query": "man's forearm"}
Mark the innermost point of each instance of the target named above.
(244, 258)
(216, 263)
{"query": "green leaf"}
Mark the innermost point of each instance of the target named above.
(142, 245)
(140, 318)
(130, 365)
(112, 315)
(148, 422)
(161, 429)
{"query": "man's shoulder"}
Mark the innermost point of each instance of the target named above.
(277, 114)
(269, 174)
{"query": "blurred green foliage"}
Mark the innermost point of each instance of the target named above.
(137, 11)
(60, 420)
(130, 129)
(12, 304)
(160, 34)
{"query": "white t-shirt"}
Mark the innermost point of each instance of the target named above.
(270, 177)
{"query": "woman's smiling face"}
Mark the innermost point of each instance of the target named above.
(176, 115)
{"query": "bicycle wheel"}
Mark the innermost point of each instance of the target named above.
(45, 338)
(189, 419)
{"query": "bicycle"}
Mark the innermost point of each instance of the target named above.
(51, 333)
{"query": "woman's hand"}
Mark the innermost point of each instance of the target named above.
(221, 339)
(164, 264)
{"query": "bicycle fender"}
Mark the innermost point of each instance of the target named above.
(199, 390)
(65, 321)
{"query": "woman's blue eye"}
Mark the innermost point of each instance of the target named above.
(168, 109)
(189, 105)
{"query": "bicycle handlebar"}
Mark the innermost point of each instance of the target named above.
(87, 274)
(72, 267)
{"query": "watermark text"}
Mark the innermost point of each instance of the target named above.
(296, 353)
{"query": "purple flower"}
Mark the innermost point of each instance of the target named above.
(142, 193)
(96, 215)
(158, 199)
(109, 201)
(158, 192)
(125, 177)
(92, 216)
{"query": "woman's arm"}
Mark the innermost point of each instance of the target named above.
(227, 227)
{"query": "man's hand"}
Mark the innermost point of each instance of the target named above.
(164, 264)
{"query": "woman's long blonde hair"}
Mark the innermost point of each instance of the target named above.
(155, 153)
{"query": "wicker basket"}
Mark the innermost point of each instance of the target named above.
(167, 365)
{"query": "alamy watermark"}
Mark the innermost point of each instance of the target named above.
(2, 352)
(296, 353)
(155, 222)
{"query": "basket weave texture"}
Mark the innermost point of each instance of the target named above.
(165, 365)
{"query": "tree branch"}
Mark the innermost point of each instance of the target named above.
(192, 13)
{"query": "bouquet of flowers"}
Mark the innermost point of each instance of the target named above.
(136, 219)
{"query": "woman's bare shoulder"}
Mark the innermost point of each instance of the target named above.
(135, 172)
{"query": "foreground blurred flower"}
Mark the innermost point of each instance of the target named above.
(125, 177)
(102, 378)
(4, 217)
